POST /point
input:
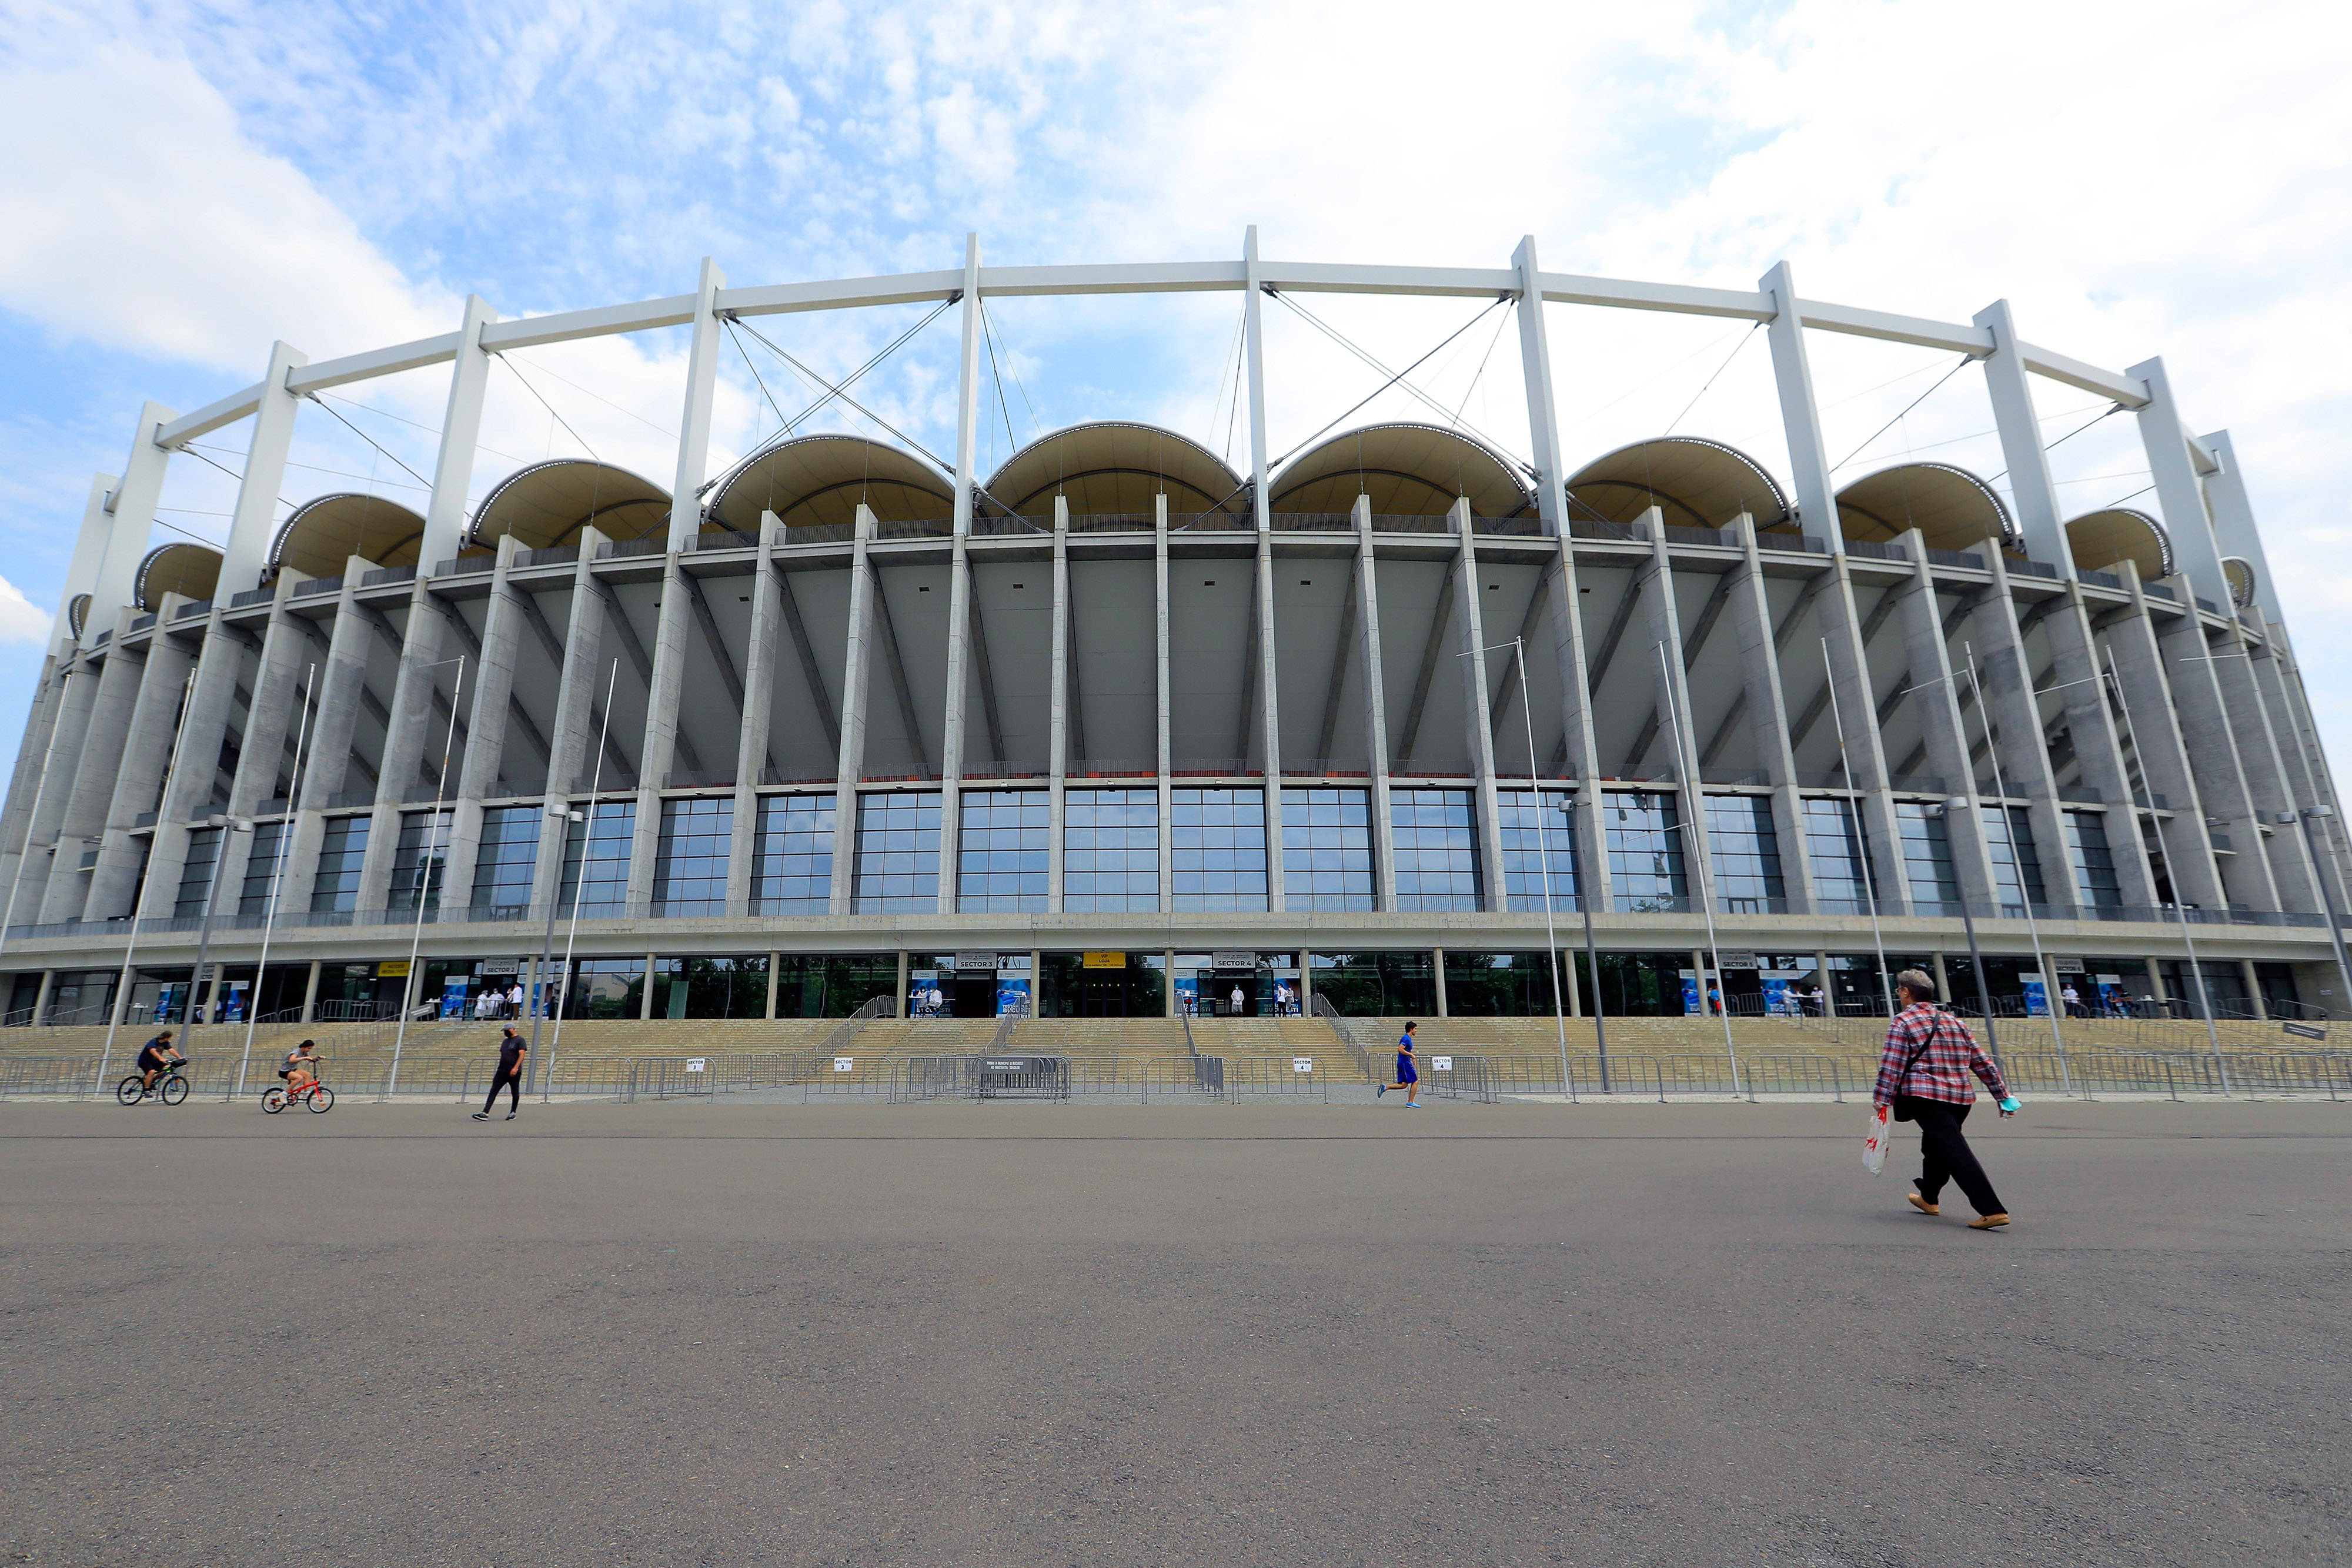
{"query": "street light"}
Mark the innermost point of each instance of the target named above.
(278, 875)
(2326, 891)
(549, 994)
(1591, 953)
(1695, 839)
(211, 1010)
(1968, 920)
(434, 843)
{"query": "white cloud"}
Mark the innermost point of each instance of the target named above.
(20, 621)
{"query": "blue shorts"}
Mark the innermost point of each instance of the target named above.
(1405, 1075)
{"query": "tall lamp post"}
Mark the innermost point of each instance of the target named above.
(277, 876)
(551, 997)
(2326, 891)
(1694, 836)
(1591, 953)
(428, 856)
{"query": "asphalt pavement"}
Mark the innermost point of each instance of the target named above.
(1018, 1334)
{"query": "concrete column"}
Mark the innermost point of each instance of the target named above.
(2255, 1001)
(420, 728)
(38, 803)
(219, 657)
(2206, 727)
(341, 680)
(1943, 980)
(1168, 958)
(1936, 696)
(2156, 980)
(2178, 492)
(2292, 712)
(2098, 743)
(2268, 787)
(1543, 411)
(34, 759)
(80, 810)
(140, 772)
(1849, 668)
(132, 506)
(310, 992)
(1671, 694)
(2233, 523)
(90, 541)
(1376, 705)
(856, 674)
(759, 703)
(580, 697)
(41, 997)
(2012, 722)
(645, 1001)
(1253, 327)
(1164, 704)
(1477, 716)
(2137, 663)
(1437, 967)
(1571, 965)
(665, 691)
(461, 428)
(776, 964)
(1767, 708)
(960, 590)
(694, 425)
(488, 725)
(253, 524)
(2033, 494)
(1579, 756)
(1057, 729)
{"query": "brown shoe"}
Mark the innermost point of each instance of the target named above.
(1989, 1222)
(1922, 1205)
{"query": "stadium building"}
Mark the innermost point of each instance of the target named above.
(1118, 730)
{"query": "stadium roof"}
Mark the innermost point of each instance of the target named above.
(547, 505)
(320, 535)
(1406, 470)
(1113, 466)
(190, 570)
(822, 479)
(2100, 539)
(1695, 483)
(1951, 508)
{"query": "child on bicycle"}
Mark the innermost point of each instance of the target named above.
(299, 1068)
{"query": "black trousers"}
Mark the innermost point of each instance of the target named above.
(1945, 1154)
(512, 1082)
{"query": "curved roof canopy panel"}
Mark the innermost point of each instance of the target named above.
(1951, 508)
(547, 504)
(1697, 484)
(1112, 466)
(2100, 539)
(191, 572)
(323, 535)
(78, 614)
(2241, 573)
(822, 479)
(1407, 470)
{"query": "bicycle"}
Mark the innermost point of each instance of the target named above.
(170, 1088)
(317, 1096)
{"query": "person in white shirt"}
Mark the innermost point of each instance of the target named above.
(1237, 1001)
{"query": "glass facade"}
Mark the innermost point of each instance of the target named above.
(1501, 985)
(597, 860)
(897, 867)
(1219, 841)
(1745, 852)
(340, 852)
(1934, 886)
(420, 858)
(711, 987)
(2092, 861)
(269, 840)
(502, 872)
(1110, 852)
(1000, 858)
(1327, 848)
(2016, 877)
(792, 855)
(196, 870)
(1437, 837)
(1645, 851)
(605, 987)
(691, 860)
(1844, 883)
(831, 984)
(1523, 815)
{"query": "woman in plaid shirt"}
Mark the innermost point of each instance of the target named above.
(1924, 1075)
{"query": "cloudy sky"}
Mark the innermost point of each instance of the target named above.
(184, 183)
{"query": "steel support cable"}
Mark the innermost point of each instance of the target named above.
(988, 337)
(945, 465)
(1036, 425)
(2113, 408)
(1394, 378)
(558, 419)
(1397, 377)
(608, 403)
(1964, 360)
(1744, 338)
(363, 435)
(1467, 393)
(851, 379)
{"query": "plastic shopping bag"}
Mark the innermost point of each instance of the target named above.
(1881, 1132)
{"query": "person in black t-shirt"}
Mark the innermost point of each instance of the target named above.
(512, 1051)
(157, 1057)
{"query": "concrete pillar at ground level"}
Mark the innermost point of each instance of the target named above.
(1437, 967)
(310, 992)
(2255, 1002)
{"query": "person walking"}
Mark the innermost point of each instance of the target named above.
(1407, 1071)
(1922, 1075)
(512, 1051)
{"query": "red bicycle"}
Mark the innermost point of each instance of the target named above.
(317, 1096)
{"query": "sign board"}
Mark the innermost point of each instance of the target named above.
(694, 1064)
(1441, 1064)
(1228, 959)
(2304, 1031)
(1736, 961)
(393, 969)
(1104, 961)
(1008, 1064)
(1302, 1064)
(985, 962)
(845, 1064)
(501, 966)
(2069, 966)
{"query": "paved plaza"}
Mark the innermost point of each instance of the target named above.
(1016, 1335)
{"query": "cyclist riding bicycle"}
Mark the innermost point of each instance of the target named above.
(157, 1057)
(301, 1067)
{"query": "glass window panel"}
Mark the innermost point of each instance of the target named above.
(509, 854)
(1218, 839)
(1844, 883)
(269, 840)
(2017, 875)
(792, 855)
(897, 866)
(419, 859)
(1436, 847)
(690, 858)
(1745, 849)
(1933, 885)
(1645, 851)
(1007, 841)
(1327, 851)
(2092, 860)
(1111, 855)
(197, 872)
(597, 860)
(341, 854)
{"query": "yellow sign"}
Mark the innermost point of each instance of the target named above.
(393, 969)
(1106, 961)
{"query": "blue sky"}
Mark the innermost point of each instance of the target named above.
(186, 184)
